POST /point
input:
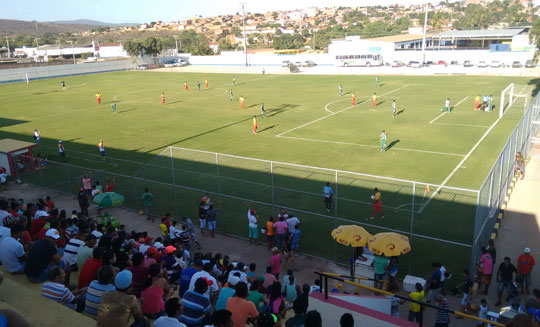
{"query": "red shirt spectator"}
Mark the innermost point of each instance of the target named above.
(525, 264)
(36, 227)
(50, 205)
(89, 272)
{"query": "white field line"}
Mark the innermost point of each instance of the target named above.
(333, 113)
(464, 125)
(374, 146)
(444, 113)
(462, 161)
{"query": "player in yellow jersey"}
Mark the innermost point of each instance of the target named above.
(374, 99)
(162, 98)
(98, 98)
(353, 98)
(185, 86)
(206, 83)
(242, 101)
(254, 125)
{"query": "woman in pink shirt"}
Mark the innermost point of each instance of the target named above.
(281, 231)
(87, 184)
(156, 291)
(486, 265)
(149, 259)
(275, 262)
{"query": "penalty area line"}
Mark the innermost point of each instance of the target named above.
(333, 113)
(372, 146)
(444, 113)
(464, 159)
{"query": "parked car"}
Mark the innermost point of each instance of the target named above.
(530, 64)
(286, 63)
(496, 64)
(397, 63)
(169, 64)
(415, 64)
(309, 63)
(429, 63)
(442, 62)
(454, 62)
(143, 67)
(482, 64)
(516, 64)
(299, 64)
(467, 63)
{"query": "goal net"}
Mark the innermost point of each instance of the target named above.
(18, 77)
(514, 103)
(507, 99)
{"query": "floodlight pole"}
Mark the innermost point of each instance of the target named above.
(244, 32)
(72, 52)
(424, 38)
(9, 51)
(176, 40)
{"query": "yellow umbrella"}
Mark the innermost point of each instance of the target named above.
(352, 235)
(389, 244)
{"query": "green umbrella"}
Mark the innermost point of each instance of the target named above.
(108, 199)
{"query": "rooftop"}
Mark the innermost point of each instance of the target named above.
(504, 32)
(400, 38)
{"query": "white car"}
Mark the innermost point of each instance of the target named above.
(496, 64)
(397, 63)
(482, 64)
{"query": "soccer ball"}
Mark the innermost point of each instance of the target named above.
(373, 197)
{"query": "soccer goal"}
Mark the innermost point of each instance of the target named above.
(507, 99)
(18, 77)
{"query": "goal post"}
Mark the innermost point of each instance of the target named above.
(507, 98)
(18, 77)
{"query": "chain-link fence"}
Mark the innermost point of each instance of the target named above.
(443, 223)
(494, 190)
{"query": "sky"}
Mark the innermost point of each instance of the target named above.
(145, 11)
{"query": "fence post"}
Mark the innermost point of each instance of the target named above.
(335, 216)
(135, 193)
(411, 230)
(69, 180)
(272, 184)
(336, 196)
(174, 181)
(219, 182)
(41, 178)
(490, 190)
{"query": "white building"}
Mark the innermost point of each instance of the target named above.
(503, 45)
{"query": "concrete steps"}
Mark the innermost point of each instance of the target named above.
(18, 294)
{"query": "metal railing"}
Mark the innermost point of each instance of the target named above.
(323, 279)
(495, 187)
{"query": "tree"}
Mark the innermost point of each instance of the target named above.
(236, 31)
(320, 40)
(534, 35)
(225, 45)
(152, 46)
(134, 48)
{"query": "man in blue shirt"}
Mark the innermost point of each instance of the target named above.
(328, 192)
(434, 283)
(185, 277)
(197, 306)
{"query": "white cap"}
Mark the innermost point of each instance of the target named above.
(527, 250)
(233, 280)
(158, 245)
(59, 141)
(53, 233)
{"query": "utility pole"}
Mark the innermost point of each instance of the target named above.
(37, 43)
(8, 51)
(244, 27)
(72, 52)
(176, 40)
(424, 38)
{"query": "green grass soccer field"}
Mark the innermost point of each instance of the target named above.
(307, 123)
